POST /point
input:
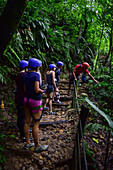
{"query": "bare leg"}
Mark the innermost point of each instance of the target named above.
(27, 125)
(53, 96)
(57, 91)
(69, 86)
(46, 101)
(50, 102)
(35, 129)
(50, 105)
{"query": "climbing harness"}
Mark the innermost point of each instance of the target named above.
(36, 120)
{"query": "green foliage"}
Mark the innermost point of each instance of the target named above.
(2, 5)
(107, 118)
(89, 152)
(92, 127)
(2, 157)
(4, 70)
(104, 91)
(67, 30)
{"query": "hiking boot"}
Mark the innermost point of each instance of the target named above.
(52, 113)
(22, 138)
(41, 148)
(54, 101)
(59, 102)
(27, 146)
(45, 108)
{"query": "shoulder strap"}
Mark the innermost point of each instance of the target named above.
(80, 66)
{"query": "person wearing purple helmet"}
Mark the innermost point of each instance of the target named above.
(33, 105)
(19, 96)
(40, 73)
(57, 78)
(50, 80)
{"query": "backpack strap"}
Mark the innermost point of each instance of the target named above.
(80, 66)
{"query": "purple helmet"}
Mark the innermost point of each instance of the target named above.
(52, 66)
(23, 64)
(60, 63)
(34, 62)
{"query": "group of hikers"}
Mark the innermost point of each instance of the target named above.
(28, 97)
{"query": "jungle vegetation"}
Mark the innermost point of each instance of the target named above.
(68, 30)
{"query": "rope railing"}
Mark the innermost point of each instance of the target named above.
(82, 118)
(79, 135)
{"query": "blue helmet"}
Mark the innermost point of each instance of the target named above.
(23, 64)
(60, 63)
(34, 62)
(52, 66)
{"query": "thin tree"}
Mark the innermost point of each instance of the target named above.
(9, 21)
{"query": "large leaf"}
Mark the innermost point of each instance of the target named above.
(110, 122)
(12, 50)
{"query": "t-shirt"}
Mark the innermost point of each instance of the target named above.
(20, 88)
(49, 78)
(57, 73)
(79, 69)
(29, 79)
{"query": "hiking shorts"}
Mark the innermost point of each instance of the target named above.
(71, 78)
(50, 88)
(34, 105)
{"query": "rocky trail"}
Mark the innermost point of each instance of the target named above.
(57, 131)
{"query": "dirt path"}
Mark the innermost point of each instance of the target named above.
(57, 131)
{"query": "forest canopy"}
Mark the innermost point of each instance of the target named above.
(71, 31)
(74, 31)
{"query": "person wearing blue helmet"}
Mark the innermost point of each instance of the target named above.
(57, 74)
(58, 70)
(50, 80)
(33, 105)
(19, 96)
(40, 73)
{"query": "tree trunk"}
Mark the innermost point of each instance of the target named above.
(9, 21)
(110, 49)
(97, 57)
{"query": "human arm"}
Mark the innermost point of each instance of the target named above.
(53, 79)
(74, 71)
(37, 89)
(93, 78)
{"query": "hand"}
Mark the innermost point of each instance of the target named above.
(44, 91)
(96, 81)
(56, 89)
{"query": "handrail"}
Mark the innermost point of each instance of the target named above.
(80, 124)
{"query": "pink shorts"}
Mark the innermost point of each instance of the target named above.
(34, 105)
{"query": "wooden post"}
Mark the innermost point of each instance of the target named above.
(76, 151)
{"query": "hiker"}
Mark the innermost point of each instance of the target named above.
(19, 96)
(57, 78)
(75, 75)
(33, 105)
(51, 87)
